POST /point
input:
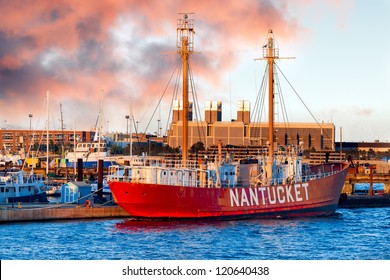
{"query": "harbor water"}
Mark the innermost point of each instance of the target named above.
(349, 234)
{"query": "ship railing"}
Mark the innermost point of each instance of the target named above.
(168, 163)
(270, 52)
(306, 178)
(164, 162)
(318, 175)
(152, 175)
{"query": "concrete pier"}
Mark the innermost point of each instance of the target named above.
(42, 212)
(366, 201)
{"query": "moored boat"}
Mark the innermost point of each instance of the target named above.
(18, 186)
(160, 191)
(90, 153)
(54, 188)
(271, 185)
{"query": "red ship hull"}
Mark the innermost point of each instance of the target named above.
(311, 198)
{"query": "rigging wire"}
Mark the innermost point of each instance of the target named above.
(307, 108)
(287, 127)
(159, 101)
(174, 93)
(259, 105)
(201, 132)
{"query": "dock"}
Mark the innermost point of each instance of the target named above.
(351, 198)
(364, 201)
(46, 212)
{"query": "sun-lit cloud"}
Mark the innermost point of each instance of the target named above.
(77, 49)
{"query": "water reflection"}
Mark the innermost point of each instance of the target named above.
(135, 225)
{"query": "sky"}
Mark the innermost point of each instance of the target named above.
(122, 53)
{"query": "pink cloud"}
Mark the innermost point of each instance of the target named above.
(68, 47)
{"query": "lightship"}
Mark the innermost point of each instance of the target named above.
(274, 185)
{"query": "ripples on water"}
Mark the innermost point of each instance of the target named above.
(350, 234)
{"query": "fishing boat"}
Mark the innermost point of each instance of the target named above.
(18, 186)
(272, 185)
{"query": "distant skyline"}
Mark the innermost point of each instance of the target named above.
(126, 48)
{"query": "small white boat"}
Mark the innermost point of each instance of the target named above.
(90, 153)
(54, 189)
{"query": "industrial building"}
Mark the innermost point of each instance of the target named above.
(243, 132)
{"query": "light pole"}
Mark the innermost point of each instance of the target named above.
(30, 116)
(127, 125)
(127, 132)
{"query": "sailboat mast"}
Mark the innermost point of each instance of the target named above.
(131, 134)
(47, 134)
(100, 126)
(185, 39)
(74, 150)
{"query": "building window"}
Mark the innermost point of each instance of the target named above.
(7, 136)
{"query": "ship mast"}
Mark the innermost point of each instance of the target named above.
(270, 53)
(185, 45)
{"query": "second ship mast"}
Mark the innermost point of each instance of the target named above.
(185, 47)
(270, 54)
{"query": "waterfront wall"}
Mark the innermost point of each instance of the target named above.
(14, 214)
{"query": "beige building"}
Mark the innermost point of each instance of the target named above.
(243, 132)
